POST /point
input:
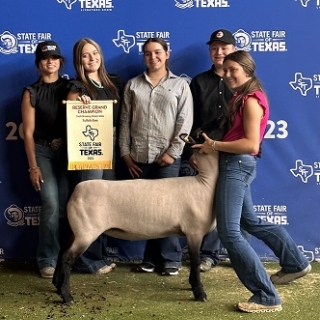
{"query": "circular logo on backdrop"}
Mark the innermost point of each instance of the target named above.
(8, 43)
(183, 4)
(243, 40)
(14, 216)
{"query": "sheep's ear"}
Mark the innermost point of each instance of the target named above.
(187, 139)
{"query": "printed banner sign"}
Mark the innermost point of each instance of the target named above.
(90, 135)
(286, 191)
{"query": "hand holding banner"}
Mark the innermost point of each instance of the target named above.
(90, 135)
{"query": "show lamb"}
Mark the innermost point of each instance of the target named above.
(142, 209)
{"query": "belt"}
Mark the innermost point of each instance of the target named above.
(54, 144)
(43, 142)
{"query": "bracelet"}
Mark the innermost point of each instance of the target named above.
(213, 145)
(33, 168)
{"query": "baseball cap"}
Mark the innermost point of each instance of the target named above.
(222, 35)
(46, 49)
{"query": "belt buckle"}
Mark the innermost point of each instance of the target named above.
(56, 144)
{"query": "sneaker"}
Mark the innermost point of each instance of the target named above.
(170, 271)
(283, 278)
(106, 269)
(146, 267)
(47, 272)
(205, 265)
(252, 307)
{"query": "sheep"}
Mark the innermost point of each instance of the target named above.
(142, 209)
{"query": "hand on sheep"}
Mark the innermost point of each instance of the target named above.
(134, 170)
(205, 147)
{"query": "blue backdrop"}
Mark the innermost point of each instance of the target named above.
(282, 36)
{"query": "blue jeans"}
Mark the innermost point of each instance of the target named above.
(54, 196)
(234, 209)
(164, 252)
(96, 256)
(210, 247)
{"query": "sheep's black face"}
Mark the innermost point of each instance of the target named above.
(187, 139)
(212, 130)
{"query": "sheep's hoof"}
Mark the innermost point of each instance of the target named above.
(69, 303)
(200, 296)
(67, 299)
(202, 299)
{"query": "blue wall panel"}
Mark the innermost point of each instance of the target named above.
(281, 36)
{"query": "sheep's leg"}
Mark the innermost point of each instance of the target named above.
(56, 280)
(194, 244)
(61, 278)
(63, 288)
(65, 244)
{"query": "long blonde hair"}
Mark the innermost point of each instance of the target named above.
(245, 60)
(81, 74)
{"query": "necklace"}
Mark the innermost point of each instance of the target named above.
(95, 83)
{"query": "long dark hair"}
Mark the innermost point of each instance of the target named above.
(81, 74)
(245, 60)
